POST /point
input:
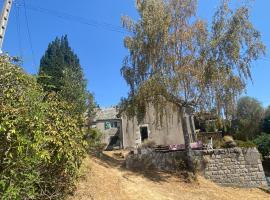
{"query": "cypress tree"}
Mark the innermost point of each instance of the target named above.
(60, 71)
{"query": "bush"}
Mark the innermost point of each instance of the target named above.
(228, 142)
(245, 144)
(41, 143)
(263, 144)
(93, 138)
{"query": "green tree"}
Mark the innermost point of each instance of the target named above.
(263, 144)
(266, 121)
(41, 141)
(174, 57)
(249, 117)
(60, 71)
(91, 108)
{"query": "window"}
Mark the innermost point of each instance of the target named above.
(114, 125)
(107, 125)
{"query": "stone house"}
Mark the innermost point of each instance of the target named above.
(121, 131)
(165, 130)
(110, 125)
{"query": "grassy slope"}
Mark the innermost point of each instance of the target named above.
(105, 179)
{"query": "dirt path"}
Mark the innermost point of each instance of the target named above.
(105, 179)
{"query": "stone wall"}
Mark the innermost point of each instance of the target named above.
(229, 167)
(240, 167)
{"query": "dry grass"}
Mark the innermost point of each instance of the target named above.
(105, 179)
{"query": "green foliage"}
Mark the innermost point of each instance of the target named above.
(93, 138)
(266, 121)
(249, 116)
(41, 140)
(245, 144)
(174, 56)
(60, 71)
(94, 144)
(91, 106)
(263, 144)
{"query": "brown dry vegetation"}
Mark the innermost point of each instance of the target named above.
(105, 179)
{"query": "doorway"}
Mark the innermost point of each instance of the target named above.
(144, 133)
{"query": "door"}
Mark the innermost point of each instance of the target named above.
(144, 133)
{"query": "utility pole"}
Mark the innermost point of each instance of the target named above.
(4, 21)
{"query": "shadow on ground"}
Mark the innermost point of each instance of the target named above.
(266, 166)
(107, 160)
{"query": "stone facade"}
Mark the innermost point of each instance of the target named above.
(229, 167)
(121, 131)
(165, 130)
(110, 125)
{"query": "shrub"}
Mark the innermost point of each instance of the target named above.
(40, 141)
(245, 144)
(93, 138)
(228, 142)
(217, 143)
(263, 144)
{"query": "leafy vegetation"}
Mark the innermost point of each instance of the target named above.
(249, 116)
(60, 71)
(174, 57)
(263, 144)
(266, 121)
(245, 144)
(93, 137)
(251, 125)
(41, 140)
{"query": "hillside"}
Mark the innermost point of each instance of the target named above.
(105, 179)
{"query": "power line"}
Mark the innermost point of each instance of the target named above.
(17, 13)
(81, 20)
(28, 32)
(265, 59)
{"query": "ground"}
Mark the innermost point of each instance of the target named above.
(105, 179)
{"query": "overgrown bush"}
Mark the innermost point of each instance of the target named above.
(41, 142)
(93, 138)
(263, 144)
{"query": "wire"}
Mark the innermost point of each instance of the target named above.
(17, 13)
(265, 59)
(28, 32)
(81, 20)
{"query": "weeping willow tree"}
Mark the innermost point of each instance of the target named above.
(176, 57)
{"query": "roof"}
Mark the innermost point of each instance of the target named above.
(106, 114)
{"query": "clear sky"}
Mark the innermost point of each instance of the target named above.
(98, 40)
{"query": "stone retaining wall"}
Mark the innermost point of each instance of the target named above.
(230, 167)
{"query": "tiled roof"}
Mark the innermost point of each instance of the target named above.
(106, 113)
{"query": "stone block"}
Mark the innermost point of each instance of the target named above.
(260, 176)
(260, 168)
(241, 158)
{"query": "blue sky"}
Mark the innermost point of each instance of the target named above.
(100, 49)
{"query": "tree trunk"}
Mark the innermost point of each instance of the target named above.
(188, 149)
